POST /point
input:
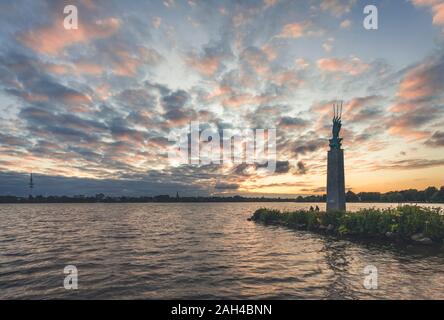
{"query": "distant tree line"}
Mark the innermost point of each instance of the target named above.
(431, 194)
(101, 198)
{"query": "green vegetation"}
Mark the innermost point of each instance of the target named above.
(430, 195)
(412, 223)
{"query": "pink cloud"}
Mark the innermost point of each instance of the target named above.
(421, 83)
(239, 100)
(353, 66)
(418, 100)
(292, 30)
(54, 38)
(337, 7)
(270, 3)
(437, 8)
(206, 65)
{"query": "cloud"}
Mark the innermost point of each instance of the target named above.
(409, 124)
(436, 140)
(352, 66)
(345, 24)
(226, 186)
(54, 38)
(282, 167)
(270, 3)
(210, 61)
(293, 30)
(409, 164)
(301, 168)
(424, 81)
(100, 103)
(363, 109)
(337, 7)
(33, 85)
(437, 8)
(206, 66)
(292, 123)
(309, 146)
(418, 99)
(156, 22)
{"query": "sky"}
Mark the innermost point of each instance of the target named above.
(90, 110)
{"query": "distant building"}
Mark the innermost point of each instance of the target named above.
(31, 185)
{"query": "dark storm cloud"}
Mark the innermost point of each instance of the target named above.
(121, 129)
(410, 123)
(226, 186)
(436, 140)
(63, 126)
(13, 141)
(315, 190)
(292, 122)
(301, 168)
(24, 77)
(281, 166)
(175, 100)
(137, 98)
(309, 146)
(410, 164)
(241, 170)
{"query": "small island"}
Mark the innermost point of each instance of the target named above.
(413, 224)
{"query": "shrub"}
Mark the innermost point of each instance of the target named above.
(332, 217)
(404, 221)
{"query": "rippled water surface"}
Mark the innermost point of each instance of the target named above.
(196, 251)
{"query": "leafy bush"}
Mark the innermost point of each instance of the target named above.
(403, 221)
(414, 219)
(333, 217)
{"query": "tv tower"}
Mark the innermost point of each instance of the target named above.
(31, 185)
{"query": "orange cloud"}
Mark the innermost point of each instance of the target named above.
(76, 98)
(89, 68)
(421, 83)
(240, 100)
(206, 66)
(219, 91)
(353, 66)
(292, 30)
(345, 24)
(337, 7)
(437, 8)
(129, 63)
(56, 68)
(270, 3)
(54, 38)
(404, 129)
(416, 84)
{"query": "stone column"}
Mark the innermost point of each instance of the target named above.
(335, 180)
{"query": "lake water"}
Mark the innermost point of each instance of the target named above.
(196, 251)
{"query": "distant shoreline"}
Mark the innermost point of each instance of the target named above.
(429, 195)
(209, 201)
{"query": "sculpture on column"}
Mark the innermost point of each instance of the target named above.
(336, 142)
(335, 165)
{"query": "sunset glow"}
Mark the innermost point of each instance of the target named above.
(98, 102)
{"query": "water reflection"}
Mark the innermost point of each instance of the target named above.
(199, 251)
